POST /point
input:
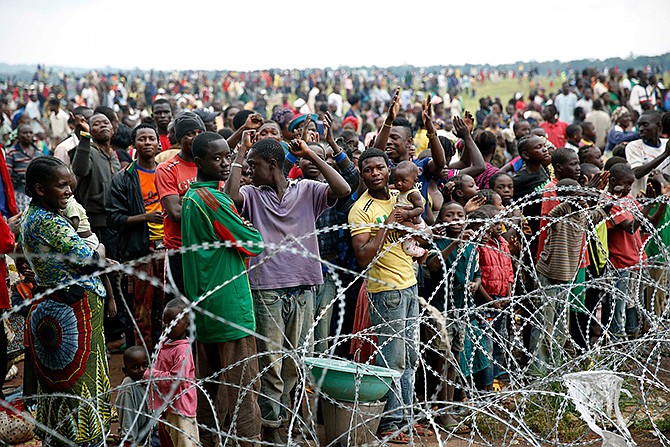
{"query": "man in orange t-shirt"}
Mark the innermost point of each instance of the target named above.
(136, 212)
(173, 178)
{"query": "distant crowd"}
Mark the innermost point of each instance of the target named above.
(434, 204)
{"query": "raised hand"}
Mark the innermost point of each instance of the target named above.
(461, 128)
(80, 123)
(469, 120)
(248, 138)
(394, 108)
(328, 128)
(599, 181)
(304, 127)
(427, 115)
(253, 122)
(474, 204)
(299, 148)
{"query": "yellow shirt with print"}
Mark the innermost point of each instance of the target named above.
(393, 270)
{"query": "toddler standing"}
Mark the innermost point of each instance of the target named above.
(173, 380)
(135, 422)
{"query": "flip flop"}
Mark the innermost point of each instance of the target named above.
(422, 430)
(394, 437)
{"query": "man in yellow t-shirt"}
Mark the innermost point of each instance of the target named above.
(392, 290)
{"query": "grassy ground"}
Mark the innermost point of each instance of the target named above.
(503, 89)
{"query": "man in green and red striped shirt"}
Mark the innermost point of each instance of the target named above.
(224, 321)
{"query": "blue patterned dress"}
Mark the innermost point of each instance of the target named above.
(65, 332)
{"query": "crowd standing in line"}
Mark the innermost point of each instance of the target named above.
(429, 201)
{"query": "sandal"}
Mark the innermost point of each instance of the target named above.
(422, 430)
(394, 437)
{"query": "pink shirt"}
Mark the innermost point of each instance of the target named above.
(173, 379)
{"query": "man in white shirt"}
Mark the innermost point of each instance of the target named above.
(565, 103)
(586, 101)
(33, 111)
(648, 153)
(601, 123)
(58, 126)
(62, 151)
(642, 95)
(336, 98)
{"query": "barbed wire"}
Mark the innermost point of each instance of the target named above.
(562, 405)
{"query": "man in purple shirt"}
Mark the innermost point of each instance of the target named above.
(282, 282)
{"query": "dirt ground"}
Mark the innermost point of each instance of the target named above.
(644, 438)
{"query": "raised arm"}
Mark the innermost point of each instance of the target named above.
(338, 187)
(232, 186)
(383, 134)
(438, 158)
(346, 166)
(253, 122)
(642, 170)
(81, 162)
(472, 162)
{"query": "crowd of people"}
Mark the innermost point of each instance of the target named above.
(135, 215)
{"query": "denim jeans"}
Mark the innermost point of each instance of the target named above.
(500, 340)
(283, 320)
(549, 328)
(323, 300)
(394, 318)
(623, 302)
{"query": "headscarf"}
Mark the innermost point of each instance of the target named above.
(618, 113)
(282, 117)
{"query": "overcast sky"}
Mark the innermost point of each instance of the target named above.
(242, 35)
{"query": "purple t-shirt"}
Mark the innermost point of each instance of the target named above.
(279, 222)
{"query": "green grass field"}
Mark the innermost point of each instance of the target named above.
(504, 89)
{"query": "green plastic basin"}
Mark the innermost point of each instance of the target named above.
(342, 379)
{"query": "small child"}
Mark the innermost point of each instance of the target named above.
(411, 204)
(626, 252)
(588, 135)
(135, 422)
(173, 376)
(492, 198)
(503, 184)
(495, 262)
(464, 189)
(23, 292)
(77, 216)
(573, 136)
(459, 256)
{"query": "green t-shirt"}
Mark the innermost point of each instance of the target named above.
(462, 268)
(209, 215)
(654, 252)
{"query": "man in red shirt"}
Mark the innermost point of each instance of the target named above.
(161, 112)
(553, 126)
(173, 178)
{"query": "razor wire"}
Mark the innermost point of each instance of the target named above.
(561, 405)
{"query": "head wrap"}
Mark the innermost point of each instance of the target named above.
(282, 117)
(351, 120)
(618, 113)
(299, 119)
(186, 122)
